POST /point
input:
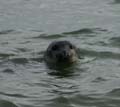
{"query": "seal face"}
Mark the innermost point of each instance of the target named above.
(61, 52)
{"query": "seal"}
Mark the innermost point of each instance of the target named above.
(61, 52)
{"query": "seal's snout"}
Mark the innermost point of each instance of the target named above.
(63, 55)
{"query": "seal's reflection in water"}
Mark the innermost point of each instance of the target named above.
(62, 69)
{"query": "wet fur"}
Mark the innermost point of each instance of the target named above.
(50, 53)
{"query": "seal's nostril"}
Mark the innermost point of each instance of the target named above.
(65, 54)
(62, 55)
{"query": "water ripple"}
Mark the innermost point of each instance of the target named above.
(90, 31)
(6, 31)
(114, 92)
(102, 54)
(5, 55)
(10, 31)
(14, 95)
(8, 70)
(99, 79)
(115, 41)
(19, 60)
(52, 36)
(86, 31)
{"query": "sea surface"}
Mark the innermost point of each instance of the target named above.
(27, 27)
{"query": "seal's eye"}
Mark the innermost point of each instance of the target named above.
(55, 47)
(71, 46)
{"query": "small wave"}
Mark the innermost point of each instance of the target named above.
(61, 73)
(99, 79)
(32, 57)
(52, 36)
(86, 31)
(3, 32)
(19, 60)
(22, 49)
(8, 70)
(103, 54)
(25, 60)
(84, 101)
(81, 31)
(36, 30)
(115, 41)
(37, 59)
(4, 55)
(14, 95)
(6, 31)
(115, 92)
(90, 31)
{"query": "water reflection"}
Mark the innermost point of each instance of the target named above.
(60, 101)
(61, 70)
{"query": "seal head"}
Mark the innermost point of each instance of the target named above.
(61, 52)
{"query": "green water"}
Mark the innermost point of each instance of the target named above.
(26, 29)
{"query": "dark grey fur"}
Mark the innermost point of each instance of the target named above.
(61, 52)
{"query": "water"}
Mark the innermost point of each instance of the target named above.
(26, 29)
